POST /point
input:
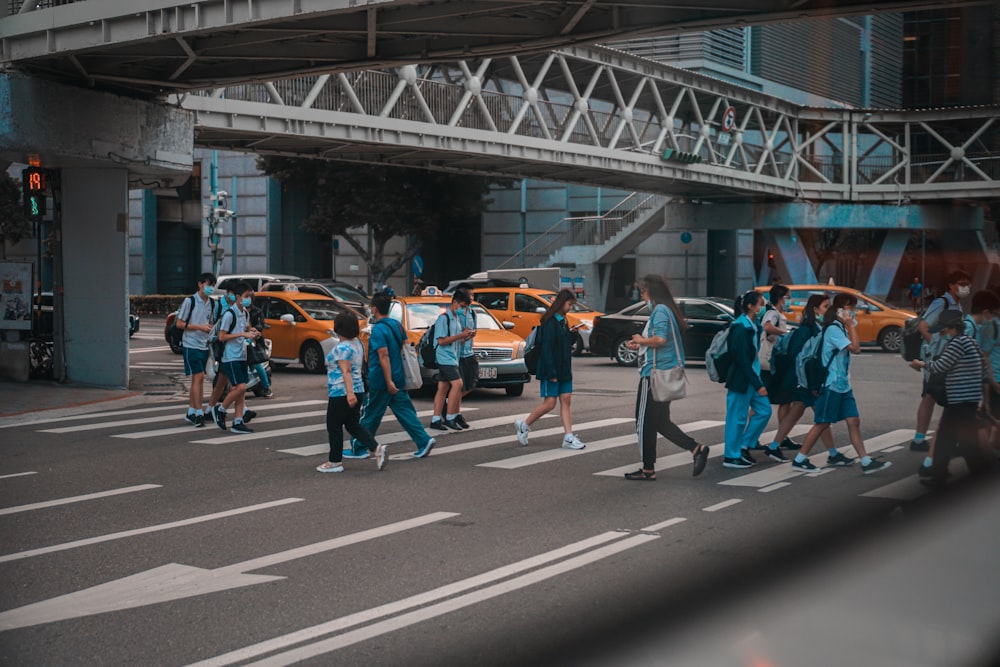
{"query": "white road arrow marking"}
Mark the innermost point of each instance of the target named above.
(175, 581)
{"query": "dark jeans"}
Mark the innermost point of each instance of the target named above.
(958, 435)
(339, 415)
(652, 418)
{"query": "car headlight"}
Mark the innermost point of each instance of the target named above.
(519, 350)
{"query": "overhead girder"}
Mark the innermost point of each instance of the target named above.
(150, 47)
(598, 116)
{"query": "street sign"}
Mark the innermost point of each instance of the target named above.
(685, 237)
(418, 265)
(729, 119)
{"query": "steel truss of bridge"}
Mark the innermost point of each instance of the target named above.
(597, 116)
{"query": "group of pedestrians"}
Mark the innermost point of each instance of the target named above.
(960, 359)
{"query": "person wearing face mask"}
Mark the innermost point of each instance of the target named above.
(468, 365)
(195, 319)
(835, 402)
(450, 333)
(774, 324)
(235, 331)
(966, 374)
(959, 286)
(745, 391)
(220, 384)
(554, 370)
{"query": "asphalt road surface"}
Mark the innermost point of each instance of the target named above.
(131, 538)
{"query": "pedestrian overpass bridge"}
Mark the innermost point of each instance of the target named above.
(601, 117)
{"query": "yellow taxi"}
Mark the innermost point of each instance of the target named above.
(500, 352)
(300, 327)
(878, 322)
(523, 307)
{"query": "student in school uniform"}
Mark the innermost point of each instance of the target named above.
(195, 318)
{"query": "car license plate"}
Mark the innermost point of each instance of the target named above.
(487, 373)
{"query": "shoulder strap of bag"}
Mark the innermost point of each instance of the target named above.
(673, 333)
(395, 333)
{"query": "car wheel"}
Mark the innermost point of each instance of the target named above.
(623, 355)
(577, 345)
(890, 339)
(514, 390)
(312, 357)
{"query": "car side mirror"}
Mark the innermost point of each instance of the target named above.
(288, 317)
(508, 325)
(540, 310)
(726, 317)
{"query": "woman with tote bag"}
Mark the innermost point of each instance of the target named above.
(661, 379)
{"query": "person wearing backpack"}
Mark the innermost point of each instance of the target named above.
(745, 391)
(554, 370)
(788, 392)
(659, 345)
(774, 325)
(195, 319)
(966, 376)
(959, 287)
(450, 333)
(835, 402)
(235, 332)
(386, 380)
(987, 303)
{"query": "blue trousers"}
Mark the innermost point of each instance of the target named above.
(742, 431)
(376, 403)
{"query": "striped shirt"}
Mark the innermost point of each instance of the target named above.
(964, 369)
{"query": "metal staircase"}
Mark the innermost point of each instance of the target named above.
(604, 238)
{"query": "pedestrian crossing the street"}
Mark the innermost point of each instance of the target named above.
(299, 428)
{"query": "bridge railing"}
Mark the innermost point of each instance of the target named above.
(592, 230)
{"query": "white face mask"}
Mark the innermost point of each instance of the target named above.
(964, 291)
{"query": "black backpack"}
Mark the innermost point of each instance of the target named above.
(217, 346)
(531, 351)
(427, 347)
(175, 335)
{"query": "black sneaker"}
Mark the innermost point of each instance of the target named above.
(735, 463)
(460, 420)
(804, 465)
(219, 416)
(241, 427)
(839, 459)
(925, 472)
(192, 419)
(201, 420)
(935, 481)
(788, 443)
(248, 415)
(757, 447)
(438, 425)
(452, 424)
(747, 456)
(876, 465)
(922, 446)
(774, 453)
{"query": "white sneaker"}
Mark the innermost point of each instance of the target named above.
(522, 430)
(381, 455)
(330, 467)
(572, 442)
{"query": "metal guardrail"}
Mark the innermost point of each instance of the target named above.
(585, 231)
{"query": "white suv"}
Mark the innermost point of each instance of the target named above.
(255, 280)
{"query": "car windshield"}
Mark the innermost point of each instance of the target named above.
(423, 315)
(578, 307)
(319, 309)
(346, 294)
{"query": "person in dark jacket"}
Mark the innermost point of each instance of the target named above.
(745, 389)
(554, 370)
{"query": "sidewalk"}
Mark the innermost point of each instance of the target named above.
(29, 400)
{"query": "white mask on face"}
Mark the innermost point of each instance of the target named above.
(964, 291)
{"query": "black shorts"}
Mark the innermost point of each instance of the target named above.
(448, 374)
(468, 368)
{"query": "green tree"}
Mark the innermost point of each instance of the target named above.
(392, 201)
(14, 224)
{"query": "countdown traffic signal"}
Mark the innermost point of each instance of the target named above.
(34, 187)
(671, 155)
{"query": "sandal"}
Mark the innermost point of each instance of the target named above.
(700, 459)
(641, 475)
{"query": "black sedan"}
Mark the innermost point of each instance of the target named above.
(705, 317)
